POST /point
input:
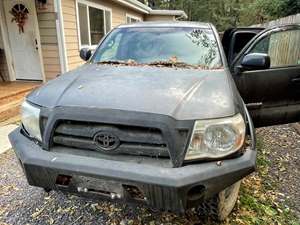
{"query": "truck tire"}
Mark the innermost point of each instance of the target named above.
(220, 206)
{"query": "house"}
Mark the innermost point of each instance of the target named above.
(40, 39)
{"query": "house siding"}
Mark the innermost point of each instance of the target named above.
(70, 26)
(49, 42)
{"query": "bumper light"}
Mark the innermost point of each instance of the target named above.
(216, 138)
(30, 116)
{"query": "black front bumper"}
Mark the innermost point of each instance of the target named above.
(172, 189)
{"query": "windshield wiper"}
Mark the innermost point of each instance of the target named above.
(171, 64)
(118, 62)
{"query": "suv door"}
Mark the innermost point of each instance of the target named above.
(272, 94)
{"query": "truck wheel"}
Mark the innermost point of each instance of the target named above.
(220, 206)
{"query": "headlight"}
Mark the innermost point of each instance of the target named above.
(216, 138)
(30, 116)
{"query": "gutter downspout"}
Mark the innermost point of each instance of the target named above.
(61, 36)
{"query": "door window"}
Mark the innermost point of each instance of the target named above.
(283, 48)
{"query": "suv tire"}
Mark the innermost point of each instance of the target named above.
(220, 206)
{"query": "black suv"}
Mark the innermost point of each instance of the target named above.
(156, 115)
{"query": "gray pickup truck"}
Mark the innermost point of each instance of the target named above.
(156, 115)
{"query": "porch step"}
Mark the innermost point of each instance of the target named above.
(11, 109)
(12, 96)
(12, 120)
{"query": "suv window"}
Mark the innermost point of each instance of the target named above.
(283, 48)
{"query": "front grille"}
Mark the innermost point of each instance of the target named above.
(134, 140)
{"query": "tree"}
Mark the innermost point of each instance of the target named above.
(231, 13)
(291, 7)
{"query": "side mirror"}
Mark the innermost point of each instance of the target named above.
(85, 54)
(256, 61)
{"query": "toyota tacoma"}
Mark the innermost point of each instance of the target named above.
(161, 115)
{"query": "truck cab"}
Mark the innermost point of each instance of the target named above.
(161, 115)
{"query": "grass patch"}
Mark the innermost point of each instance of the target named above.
(258, 203)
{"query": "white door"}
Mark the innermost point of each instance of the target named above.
(24, 42)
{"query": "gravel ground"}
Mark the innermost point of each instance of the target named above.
(22, 204)
(282, 149)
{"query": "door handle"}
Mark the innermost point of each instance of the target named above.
(296, 80)
(254, 105)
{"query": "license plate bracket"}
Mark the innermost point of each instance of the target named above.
(96, 185)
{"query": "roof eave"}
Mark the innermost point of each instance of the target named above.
(136, 5)
(177, 13)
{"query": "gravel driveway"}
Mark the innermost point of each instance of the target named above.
(22, 204)
(282, 147)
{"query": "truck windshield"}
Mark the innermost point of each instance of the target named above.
(160, 46)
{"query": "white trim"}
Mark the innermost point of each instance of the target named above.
(104, 22)
(62, 41)
(78, 24)
(136, 5)
(59, 38)
(111, 22)
(92, 5)
(164, 12)
(38, 37)
(92, 47)
(128, 15)
(88, 24)
(5, 39)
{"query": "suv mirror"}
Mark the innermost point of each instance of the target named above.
(256, 61)
(85, 54)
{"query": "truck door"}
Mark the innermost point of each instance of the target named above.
(267, 74)
(235, 39)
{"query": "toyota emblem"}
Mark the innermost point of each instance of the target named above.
(106, 141)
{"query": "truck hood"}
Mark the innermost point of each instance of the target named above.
(183, 94)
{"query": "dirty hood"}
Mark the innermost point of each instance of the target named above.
(183, 94)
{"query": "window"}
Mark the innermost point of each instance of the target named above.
(283, 48)
(150, 45)
(132, 19)
(94, 22)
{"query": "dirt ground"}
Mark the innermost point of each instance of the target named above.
(269, 196)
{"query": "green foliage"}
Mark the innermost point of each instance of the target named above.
(291, 7)
(258, 203)
(273, 9)
(231, 13)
